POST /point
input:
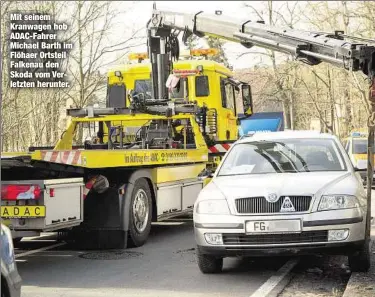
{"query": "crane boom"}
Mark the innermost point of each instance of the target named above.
(309, 47)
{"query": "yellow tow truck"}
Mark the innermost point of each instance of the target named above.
(142, 160)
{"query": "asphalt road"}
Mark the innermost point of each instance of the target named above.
(165, 266)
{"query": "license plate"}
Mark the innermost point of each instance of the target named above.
(277, 226)
(23, 211)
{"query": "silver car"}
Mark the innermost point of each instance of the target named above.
(291, 192)
(10, 279)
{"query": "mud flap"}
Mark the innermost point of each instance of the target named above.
(102, 227)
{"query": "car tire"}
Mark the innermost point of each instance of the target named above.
(209, 264)
(139, 235)
(361, 260)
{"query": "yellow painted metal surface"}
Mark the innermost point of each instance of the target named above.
(128, 158)
(175, 173)
(14, 154)
(206, 181)
(130, 119)
(66, 141)
(95, 158)
(23, 211)
(110, 158)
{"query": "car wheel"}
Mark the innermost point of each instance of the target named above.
(209, 263)
(361, 260)
(140, 214)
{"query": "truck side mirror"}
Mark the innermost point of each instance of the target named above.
(247, 100)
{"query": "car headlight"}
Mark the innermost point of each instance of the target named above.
(330, 202)
(213, 207)
(7, 249)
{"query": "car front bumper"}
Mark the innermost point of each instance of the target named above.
(312, 238)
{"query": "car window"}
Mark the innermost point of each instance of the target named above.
(278, 156)
(227, 94)
(202, 88)
(360, 146)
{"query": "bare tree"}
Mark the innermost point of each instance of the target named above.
(285, 15)
(214, 42)
(92, 24)
(36, 116)
(25, 121)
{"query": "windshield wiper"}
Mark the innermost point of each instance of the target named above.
(269, 159)
(297, 155)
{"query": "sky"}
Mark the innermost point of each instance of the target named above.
(141, 13)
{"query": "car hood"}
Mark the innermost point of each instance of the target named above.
(285, 184)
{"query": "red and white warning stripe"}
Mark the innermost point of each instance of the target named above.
(62, 157)
(219, 148)
(88, 187)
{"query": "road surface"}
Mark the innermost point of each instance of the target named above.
(165, 266)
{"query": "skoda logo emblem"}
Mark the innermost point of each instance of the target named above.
(287, 205)
(272, 197)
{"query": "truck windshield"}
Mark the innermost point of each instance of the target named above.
(360, 146)
(144, 86)
(181, 89)
(279, 156)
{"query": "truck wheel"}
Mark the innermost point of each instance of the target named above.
(209, 263)
(361, 260)
(140, 213)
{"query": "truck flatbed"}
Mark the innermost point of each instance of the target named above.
(122, 157)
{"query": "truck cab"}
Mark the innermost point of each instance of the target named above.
(206, 82)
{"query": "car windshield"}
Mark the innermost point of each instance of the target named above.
(279, 156)
(360, 146)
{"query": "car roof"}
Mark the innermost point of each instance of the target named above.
(300, 134)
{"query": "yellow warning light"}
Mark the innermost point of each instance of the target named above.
(138, 56)
(204, 52)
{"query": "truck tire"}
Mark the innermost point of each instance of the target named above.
(208, 263)
(140, 213)
(361, 260)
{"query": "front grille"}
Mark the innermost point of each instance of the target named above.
(303, 237)
(261, 205)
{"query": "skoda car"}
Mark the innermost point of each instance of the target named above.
(10, 279)
(282, 193)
